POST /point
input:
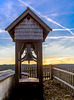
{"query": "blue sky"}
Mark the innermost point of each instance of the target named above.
(58, 14)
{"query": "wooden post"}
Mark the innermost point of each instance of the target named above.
(16, 64)
(37, 67)
(19, 63)
(36, 46)
(73, 80)
(40, 67)
(18, 46)
(51, 72)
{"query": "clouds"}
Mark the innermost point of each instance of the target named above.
(59, 14)
(59, 44)
(62, 29)
(59, 60)
(60, 37)
(4, 35)
(7, 54)
(2, 31)
(8, 12)
(4, 38)
(47, 18)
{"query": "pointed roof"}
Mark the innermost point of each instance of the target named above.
(11, 27)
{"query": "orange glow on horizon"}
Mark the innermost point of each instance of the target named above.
(46, 61)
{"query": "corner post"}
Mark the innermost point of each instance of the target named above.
(17, 61)
(51, 72)
(40, 66)
(16, 64)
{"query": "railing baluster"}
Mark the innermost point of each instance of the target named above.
(33, 71)
(65, 76)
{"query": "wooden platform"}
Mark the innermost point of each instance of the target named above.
(27, 89)
(28, 80)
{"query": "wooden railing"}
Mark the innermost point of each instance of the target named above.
(46, 72)
(63, 75)
(33, 71)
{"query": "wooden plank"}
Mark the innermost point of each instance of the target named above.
(19, 63)
(51, 72)
(40, 66)
(30, 37)
(18, 46)
(64, 71)
(25, 74)
(28, 33)
(34, 70)
(16, 64)
(30, 71)
(45, 73)
(29, 80)
(64, 82)
(24, 30)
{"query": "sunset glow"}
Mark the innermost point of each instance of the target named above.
(58, 47)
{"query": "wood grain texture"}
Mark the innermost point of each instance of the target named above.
(29, 80)
(28, 29)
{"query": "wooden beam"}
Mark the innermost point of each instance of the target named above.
(18, 48)
(23, 49)
(35, 48)
(19, 63)
(40, 66)
(37, 68)
(16, 63)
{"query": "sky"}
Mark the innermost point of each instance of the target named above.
(57, 14)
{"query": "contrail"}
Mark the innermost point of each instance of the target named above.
(60, 37)
(2, 31)
(47, 18)
(62, 29)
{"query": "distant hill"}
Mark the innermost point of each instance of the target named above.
(70, 66)
(6, 67)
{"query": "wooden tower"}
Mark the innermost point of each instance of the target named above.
(28, 32)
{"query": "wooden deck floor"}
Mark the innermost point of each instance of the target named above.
(27, 89)
(28, 80)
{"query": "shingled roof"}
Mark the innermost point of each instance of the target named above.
(46, 28)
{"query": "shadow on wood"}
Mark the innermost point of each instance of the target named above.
(27, 91)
